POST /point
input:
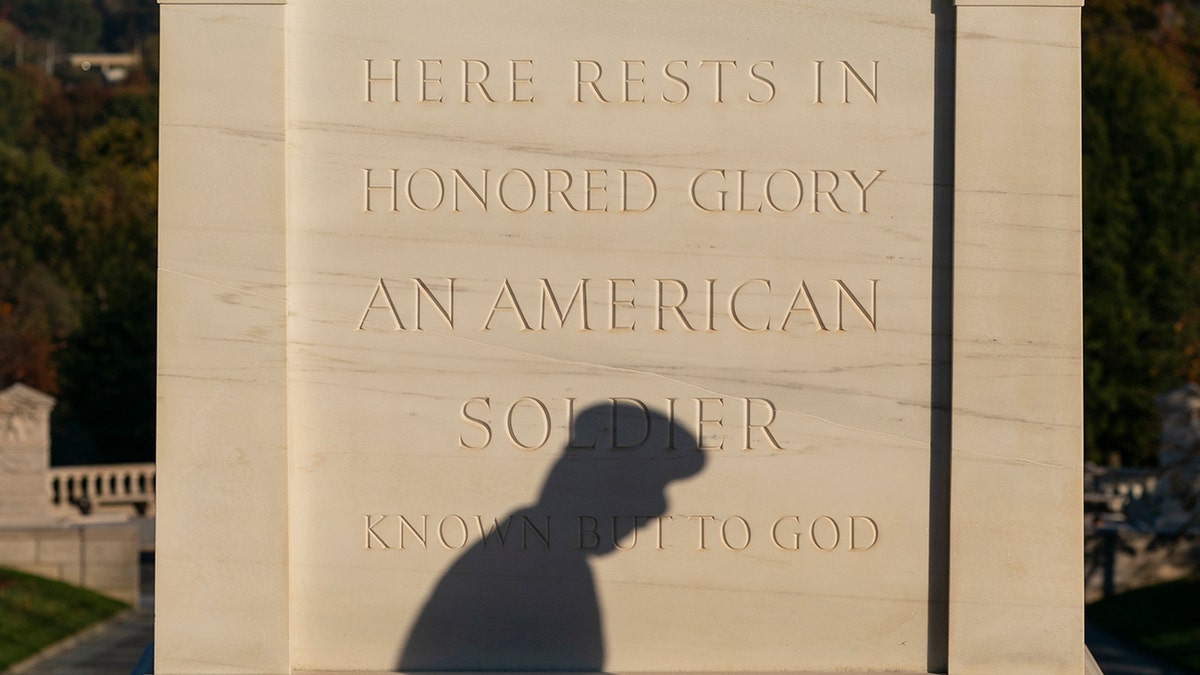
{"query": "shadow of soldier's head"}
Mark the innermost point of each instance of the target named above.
(614, 471)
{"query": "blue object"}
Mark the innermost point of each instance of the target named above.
(145, 664)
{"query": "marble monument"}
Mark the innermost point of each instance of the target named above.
(635, 337)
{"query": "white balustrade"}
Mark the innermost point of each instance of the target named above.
(86, 488)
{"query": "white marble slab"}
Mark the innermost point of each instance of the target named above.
(415, 254)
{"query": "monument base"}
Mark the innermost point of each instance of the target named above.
(607, 673)
(1090, 668)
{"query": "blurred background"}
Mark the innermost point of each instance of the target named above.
(78, 205)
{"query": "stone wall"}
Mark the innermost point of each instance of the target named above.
(103, 558)
(1123, 560)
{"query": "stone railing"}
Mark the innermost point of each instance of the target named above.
(85, 489)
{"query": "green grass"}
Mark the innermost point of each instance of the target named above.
(37, 612)
(1164, 619)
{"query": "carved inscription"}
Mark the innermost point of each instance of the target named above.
(612, 306)
(517, 190)
(716, 422)
(732, 533)
(426, 190)
(624, 81)
(824, 195)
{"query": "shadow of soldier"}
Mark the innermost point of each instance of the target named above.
(523, 597)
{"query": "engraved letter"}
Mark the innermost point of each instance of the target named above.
(515, 79)
(871, 89)
(633, 532)
(685, 90)
(718, 96)
(844, 292)
(658, 528)
(745, 533)
(702, 519)
(733, 315)
(809, 306)
(426, 80)
(855, 520)
(412, 199)
(381, 289)
(572, 432)
(670, 424)
(767, 83)
(421, 290)
(475, 421)
(701, 421)
(367, 187)
(614, 301)
(765, 427)
(629, 79)
(616, 440)
(590, 531)
(419, 534)
(501, 535)
(769, 194)
(528, 181)
(372, 535)
(710, 293)
(394, 78)
(580, 294)
(653, 190)
(817, 81)
(561, 192)
(540, 534)
(660, 305)
(862, 189)
(817, 191)
(462, 525)
(741, 195)
(514, 307)
(512, 433)
(589, 188)
(812, 533)
(721, 193)
(579, 81)
(468, 82)
(795, 535)
(479, 195)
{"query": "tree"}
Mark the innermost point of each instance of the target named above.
(37, 309)
(129, 23)
(108, 367)
(74, 23)
(78, 217)
(1141, 130)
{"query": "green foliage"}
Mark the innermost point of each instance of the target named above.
(78, 219)
(36, 314)
(74, 23)
(1141, 147)
(115, 211)
(65, 116)
(37, 612)
(33, 220)
(20, 105)
(1141, 187)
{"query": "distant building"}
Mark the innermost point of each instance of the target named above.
(114, 67)
(1179, 457)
